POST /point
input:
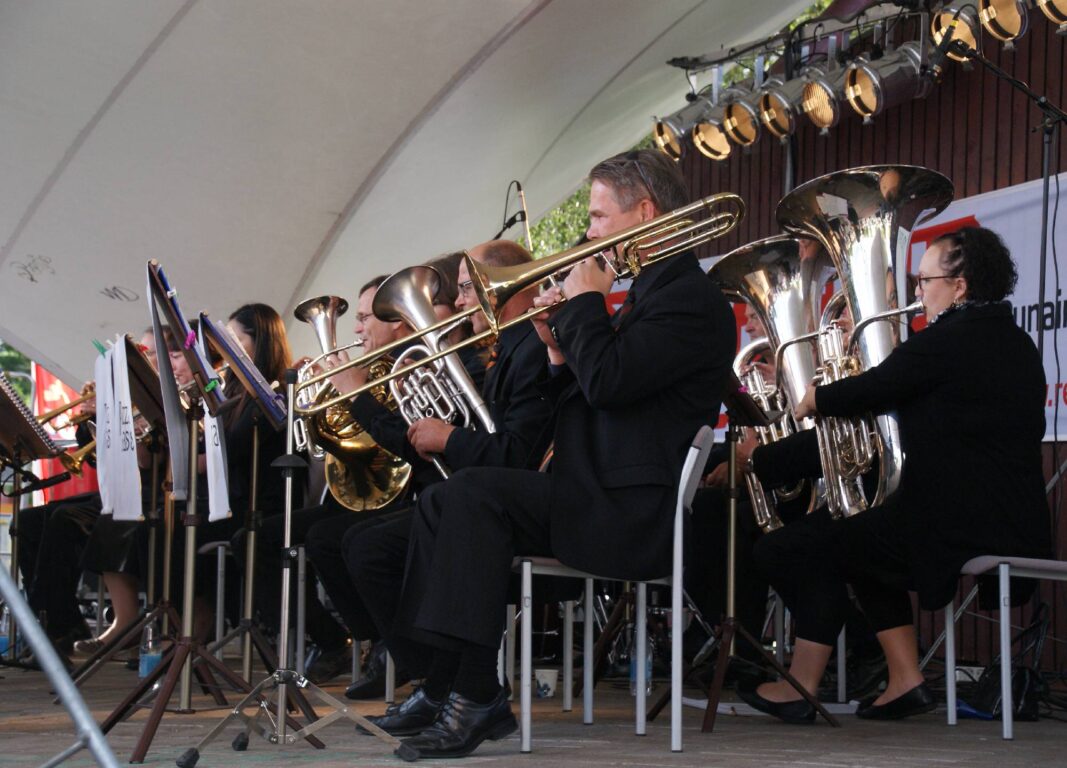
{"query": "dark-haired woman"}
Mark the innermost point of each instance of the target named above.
(969, 391)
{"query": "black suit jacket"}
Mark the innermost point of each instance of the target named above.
(629, 404)
(970, 394)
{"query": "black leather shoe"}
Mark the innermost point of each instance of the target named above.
(372, 684)
(460, 727)
(413, 716)
(918, 701)
(328, 664)
(798, 712)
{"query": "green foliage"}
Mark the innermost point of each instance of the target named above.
(13, 361)
(743, 68)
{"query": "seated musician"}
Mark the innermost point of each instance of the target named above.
(630, 393)
(375, 550)
(969, 391)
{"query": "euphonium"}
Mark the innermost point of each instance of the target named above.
(361, 474)
(441, 389)
(863, 217)
(783, 287)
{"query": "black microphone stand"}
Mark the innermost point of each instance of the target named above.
(1053, 117)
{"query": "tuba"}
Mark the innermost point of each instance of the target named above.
(442, 388)
(361, 475)
(783, 287)
(863, 217)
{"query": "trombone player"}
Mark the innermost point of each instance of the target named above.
(630, 390)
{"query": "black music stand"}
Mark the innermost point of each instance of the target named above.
(743, 411)
(22, 440)
(146, 396)
(282, 679)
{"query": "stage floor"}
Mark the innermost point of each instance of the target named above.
(32, 730)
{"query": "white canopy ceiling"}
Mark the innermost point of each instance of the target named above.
(270, 150)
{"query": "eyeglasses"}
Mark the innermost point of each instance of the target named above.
(924, 280)
(635, 158)
(466, 287)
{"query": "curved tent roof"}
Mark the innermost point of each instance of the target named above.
(271, 150)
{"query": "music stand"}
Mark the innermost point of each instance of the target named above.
(283, 680)
(147, 398)
(22, 440)
(178, 660)
(742, 411)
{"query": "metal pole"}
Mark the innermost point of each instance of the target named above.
(301, 608)
(168, 545)
(150, 588)
(16, 502)
(283, 637)
(185, 698)
(731, 535)
(251, 526)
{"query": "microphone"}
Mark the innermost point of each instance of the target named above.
(525, 217)
(937, 58)
(47, 482)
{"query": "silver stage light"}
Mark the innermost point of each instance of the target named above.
(967, 30)
(1006, 20)
(669, 133)
(709, 136)
(823, 95)
(872, 87)
(780, 104)
(1056, 11)
(741, 121)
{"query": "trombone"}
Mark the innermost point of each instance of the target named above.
(625, 253)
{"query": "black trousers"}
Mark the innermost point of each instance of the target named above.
(464, 535)
(811, 561)
(321, 625)
(51, 541)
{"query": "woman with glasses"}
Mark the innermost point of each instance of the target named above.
(969, 391)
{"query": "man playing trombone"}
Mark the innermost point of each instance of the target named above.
(630, 391)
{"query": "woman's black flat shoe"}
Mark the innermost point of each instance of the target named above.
(918, 701)
(798, 712)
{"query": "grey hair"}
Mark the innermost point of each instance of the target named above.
(640, 174)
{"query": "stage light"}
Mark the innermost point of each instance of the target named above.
(872, 87)
(780, 104)
(822, 96)
(741, 121)
(1006, 20)
(710, 138)
(669, 133)
(1056, 11)
(967, 30)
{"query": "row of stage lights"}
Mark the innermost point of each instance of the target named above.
(868, 86)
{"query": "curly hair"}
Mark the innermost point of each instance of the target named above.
(979, 256)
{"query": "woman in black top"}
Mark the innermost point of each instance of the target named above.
(970, 393)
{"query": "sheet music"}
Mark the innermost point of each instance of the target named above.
(177, 431)
(126, 480)
(215, 449)
(105, 406)
(21, 432)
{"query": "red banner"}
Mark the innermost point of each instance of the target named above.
(51, 393)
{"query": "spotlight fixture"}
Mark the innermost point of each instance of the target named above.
(669, 133)
(1056, 11)
(780, 104)
(967, 30)
(823, 93)
(1006, 20)
(709, 136)
(741, 121)
(872, 87)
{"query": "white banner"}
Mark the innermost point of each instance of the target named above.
(1014, 213)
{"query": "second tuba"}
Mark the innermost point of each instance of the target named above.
(361, 475)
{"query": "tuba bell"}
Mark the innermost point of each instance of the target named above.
(783, 287)
(863, 217)
(442, 388)
(361, 475)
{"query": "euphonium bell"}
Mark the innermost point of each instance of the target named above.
(361, 475)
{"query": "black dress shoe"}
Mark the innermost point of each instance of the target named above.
(798, 712)
(372, 683)
(413, 716)
(328, 664)
(918, 701)
(460, 727)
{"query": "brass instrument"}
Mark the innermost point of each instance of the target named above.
(58, 411)
(783, 288)
(769, 399)
(863, 217)
(625, 253)
(361, 474)
(442, 389)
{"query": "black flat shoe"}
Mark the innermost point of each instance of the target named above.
(413, 716)
(798, 712)
(460, 727)
(372, 684)
(918, 701)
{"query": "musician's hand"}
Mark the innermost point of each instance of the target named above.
(767, 371)
(298, 364)
(89, 406)
(347, 380)
(588, 275)
(720, 476)
(806, 407)
(550, 297)
(429, 436)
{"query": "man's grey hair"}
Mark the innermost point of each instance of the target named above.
(643, 173)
